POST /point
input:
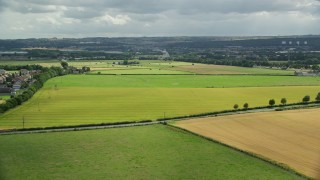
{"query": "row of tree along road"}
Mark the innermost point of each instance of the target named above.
(283, 101)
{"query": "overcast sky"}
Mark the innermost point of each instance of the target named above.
(114, 18)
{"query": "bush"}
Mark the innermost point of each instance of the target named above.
(236, 106)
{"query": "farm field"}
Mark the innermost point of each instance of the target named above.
(166, 66)
(149, 152)
(182, 81)
(97, 63)
(220, 69)
(87, 99)
(138, 71)
(287, 137)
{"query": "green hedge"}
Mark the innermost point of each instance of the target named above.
(77, 126)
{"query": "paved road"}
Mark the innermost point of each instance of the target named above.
(150, 123)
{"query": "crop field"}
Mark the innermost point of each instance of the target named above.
(138, 71)
(86, 99)
(182, 81)
(220, 69)
(287, 137)
(156, 66)
(98, 63)
(149, 152)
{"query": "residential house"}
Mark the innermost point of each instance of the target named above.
(34, 72)
(2, 79)
(2, 72)
(16, 86)
(24, 72)
(5, 90)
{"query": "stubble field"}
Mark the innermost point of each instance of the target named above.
(287, 137)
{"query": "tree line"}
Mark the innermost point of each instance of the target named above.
(283, 101)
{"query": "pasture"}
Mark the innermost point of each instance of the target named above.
(287, 137)
(87, 99)
(149, 152)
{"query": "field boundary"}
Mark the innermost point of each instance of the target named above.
(265, 159)
(77, 128)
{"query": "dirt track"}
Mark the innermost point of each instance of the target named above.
(288, 137)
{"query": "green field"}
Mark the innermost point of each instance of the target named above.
(150, 152)
(181, 81)
(138, 71)
(85, 99)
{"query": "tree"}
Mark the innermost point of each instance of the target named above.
(64, 64)
(272, 102)
(306, 99)
(236, 106)
(318, 97)
(315, 68)
(85, 69)
(246, 105)
(283, 101)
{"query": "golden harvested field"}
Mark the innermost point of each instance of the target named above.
(287, 137)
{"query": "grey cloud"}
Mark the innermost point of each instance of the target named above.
(182, 6)
(82, 13)
(76, 18)
(32, 7)
(2, 4)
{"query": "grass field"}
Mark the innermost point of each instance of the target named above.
(220, 69)
(85, 99)
(182, 81)
(150, 152)
(288, 137)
